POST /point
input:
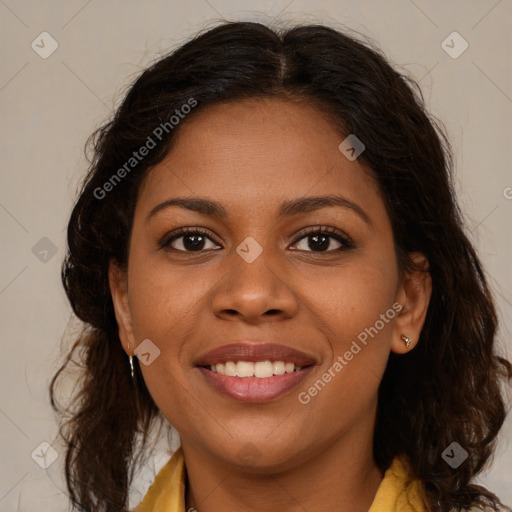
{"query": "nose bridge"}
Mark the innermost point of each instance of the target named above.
(253, 285)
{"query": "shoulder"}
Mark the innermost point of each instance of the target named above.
(399, 490)
(481, 508)
(401, 470)
(167, 492)
(478, 508)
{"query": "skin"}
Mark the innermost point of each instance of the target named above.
(251, 156)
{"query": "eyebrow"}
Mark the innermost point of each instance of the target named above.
(289, 208)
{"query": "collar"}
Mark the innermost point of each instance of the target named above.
(398, 491)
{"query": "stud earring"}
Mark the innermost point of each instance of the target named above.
(130, 358)
(407, 341)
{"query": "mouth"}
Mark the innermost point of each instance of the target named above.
(254, 372)
(258, 370)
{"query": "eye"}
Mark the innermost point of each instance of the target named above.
(187, 240)
(320, 240)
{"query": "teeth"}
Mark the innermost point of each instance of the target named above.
(230, 369)
(244, 369)
(279, 368)
(261, 369)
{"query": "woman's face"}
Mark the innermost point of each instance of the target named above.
(258, 273)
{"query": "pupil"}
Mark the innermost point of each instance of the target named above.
(323, 245)
(198, 240)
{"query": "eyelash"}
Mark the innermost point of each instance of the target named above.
(346, 242)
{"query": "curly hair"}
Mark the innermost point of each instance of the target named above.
(448, 389)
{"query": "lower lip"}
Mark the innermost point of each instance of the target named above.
(254, 389)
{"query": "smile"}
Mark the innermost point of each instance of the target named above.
(260, 369)
(251, 388)
(254, 371)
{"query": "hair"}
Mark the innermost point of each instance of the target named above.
(449, 388)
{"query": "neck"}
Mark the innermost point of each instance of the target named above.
(342, 474)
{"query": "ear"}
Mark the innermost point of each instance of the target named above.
(414, 295)
(118, 281)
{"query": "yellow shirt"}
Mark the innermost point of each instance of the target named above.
(397, 491)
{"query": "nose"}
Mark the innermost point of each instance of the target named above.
(254, 292)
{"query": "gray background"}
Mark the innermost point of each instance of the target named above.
(49, 107)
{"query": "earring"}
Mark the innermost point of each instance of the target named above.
(407, 340)
(130, 358)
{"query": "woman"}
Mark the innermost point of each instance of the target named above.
(269, 227)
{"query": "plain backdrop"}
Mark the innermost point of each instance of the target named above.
(49, 106)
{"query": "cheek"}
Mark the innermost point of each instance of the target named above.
(161, 313)
(164, 304)
(357, 316)
(346, 386)
(164, 298)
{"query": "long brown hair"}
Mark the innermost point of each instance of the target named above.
(447, 389)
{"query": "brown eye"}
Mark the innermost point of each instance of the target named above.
(187, 240)
(321, 240)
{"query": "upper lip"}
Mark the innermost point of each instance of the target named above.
(255, 351)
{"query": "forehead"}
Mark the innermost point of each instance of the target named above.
(253, 152)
